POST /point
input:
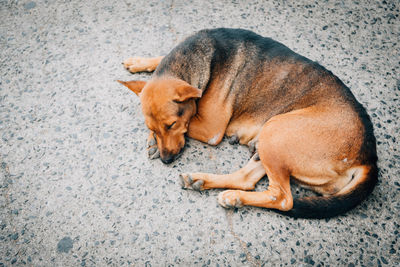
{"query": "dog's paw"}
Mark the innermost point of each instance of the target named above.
(152, 149)
(230, 199)
(233, 140)
(136, 64)
(187, 182)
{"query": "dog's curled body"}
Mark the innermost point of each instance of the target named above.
(304, 121)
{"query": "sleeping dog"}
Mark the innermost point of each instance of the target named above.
(298, 118)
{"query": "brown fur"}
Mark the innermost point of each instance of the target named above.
(302, 120)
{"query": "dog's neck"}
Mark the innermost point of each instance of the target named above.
(194, 67)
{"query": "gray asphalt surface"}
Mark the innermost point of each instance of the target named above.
(76, 187)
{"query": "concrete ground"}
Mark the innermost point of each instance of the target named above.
(76, 186)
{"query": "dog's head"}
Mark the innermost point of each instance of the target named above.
(167, 105)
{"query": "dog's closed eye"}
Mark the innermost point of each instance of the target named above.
(168, 127)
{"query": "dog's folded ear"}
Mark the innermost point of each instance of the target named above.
(186, 92)
(135, 86)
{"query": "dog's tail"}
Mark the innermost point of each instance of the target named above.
(319, 207)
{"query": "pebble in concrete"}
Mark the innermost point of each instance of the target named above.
(65, 245)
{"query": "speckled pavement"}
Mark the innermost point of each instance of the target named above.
(76, 187)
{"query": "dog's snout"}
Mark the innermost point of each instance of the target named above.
(167, 159)
(169, 156)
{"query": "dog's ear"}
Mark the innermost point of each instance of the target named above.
(135, 86)
(186, 92)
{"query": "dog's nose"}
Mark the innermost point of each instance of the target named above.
(168, 159)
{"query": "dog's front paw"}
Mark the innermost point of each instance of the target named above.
(152, 149)
(136, 64)
(230, 199)
(187, 182)
(233, 140)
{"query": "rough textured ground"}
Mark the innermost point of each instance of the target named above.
(76, 187)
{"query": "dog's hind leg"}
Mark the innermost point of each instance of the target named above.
(274, 143)
(139, 64)
(278, 194)
(244, 179)
(315, 145)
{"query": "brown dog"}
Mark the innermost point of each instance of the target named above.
(300, 118)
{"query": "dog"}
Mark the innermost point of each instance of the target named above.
(298, 118)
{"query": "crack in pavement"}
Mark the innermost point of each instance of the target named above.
(170, 28)
(250, 258)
